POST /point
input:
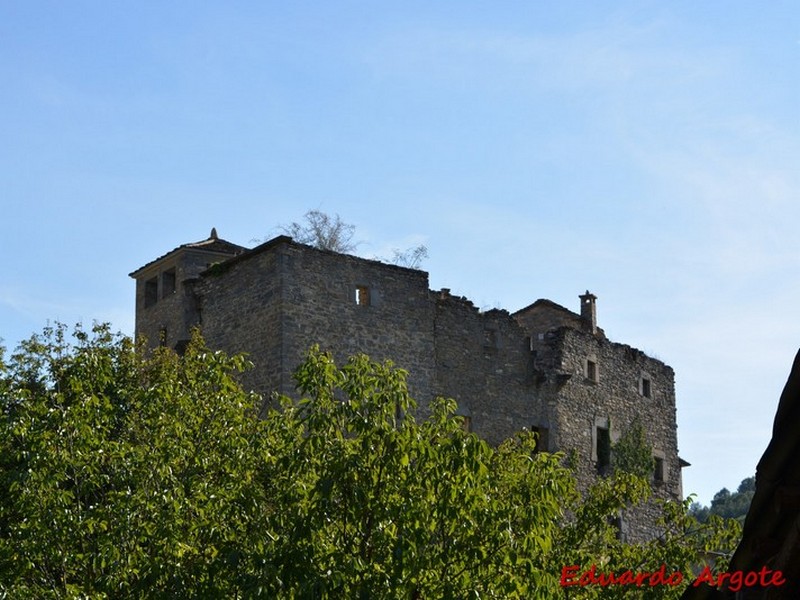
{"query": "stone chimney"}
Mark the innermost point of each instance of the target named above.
(589, 311)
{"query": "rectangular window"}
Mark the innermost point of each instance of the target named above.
(150, 292)
(646, 391)
(362, 295)
(591, 370)
(621, 527)
(658, 474)
(603, 441)
(542, 438)
(167, 283)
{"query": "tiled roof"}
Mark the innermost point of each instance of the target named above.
(212, 244)
(548, 303)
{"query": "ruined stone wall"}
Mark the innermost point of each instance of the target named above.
(544, 315)
(349, 305)
(625, 384)
(278, 301)
(483, 362)
(166, 315)
(539, 368)
(239, 305)
(459, 358)
(611, 395)
(173, 311)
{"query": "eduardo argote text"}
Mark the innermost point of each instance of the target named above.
(734, 580)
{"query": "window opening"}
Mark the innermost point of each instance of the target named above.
(168, 283)
(621, 527)
(591, 370)
(646, 388)
(150, 292)
(542, 438)
(362, 295)
(658, 474)
(603, 450)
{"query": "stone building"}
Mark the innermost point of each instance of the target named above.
(543, 367)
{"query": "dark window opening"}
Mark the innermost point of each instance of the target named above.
(621, 527)
(658, 474)
(150, 292)
(167, 283)
(362, 295)
(603, 451)
(591, 370)
(646, 391)
(542, 438)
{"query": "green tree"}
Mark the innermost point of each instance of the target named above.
(727, 504)
(632, 453)
(124, 474)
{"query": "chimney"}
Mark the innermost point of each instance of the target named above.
(589, 311)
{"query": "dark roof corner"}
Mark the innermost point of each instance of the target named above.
(546, 302)
(211, 244)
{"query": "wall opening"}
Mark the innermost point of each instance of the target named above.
(542, 438)
(645, 387)
(658, 471)
(603, 450)
(591, 370)
(150, 292)
(168, 283)
(621, 526)
(362, 295)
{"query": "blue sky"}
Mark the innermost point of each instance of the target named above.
(646, 151)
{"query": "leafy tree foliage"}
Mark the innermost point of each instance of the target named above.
(130, 475)
(632, 454)
(727, 504)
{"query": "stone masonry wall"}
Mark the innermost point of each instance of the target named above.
(612, 396)
(394, 319)
(282, 298)
(613, 399)
(239, 304)
(175, 312)
(483, 362)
